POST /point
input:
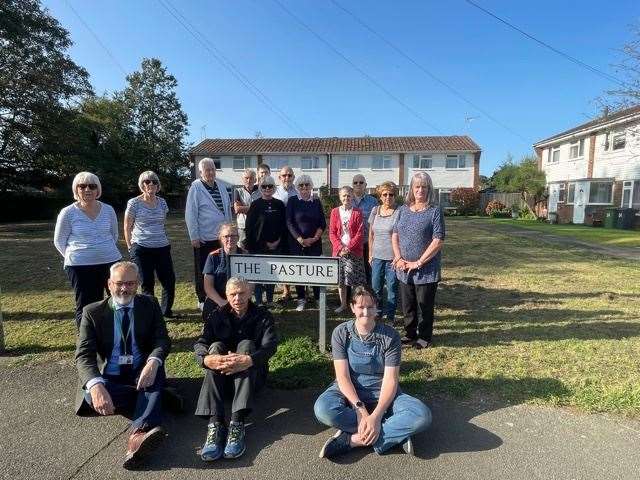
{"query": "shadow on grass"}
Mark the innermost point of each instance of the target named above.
(30, 349)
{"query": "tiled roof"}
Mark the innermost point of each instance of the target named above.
(218, 146)
(612, 117)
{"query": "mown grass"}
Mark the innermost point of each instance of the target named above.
(604, 236)
(517, 320)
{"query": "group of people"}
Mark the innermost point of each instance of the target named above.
(123, 340)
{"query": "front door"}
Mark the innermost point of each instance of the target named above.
(580, 199)
(553, 197)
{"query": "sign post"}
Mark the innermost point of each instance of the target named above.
(293, 270)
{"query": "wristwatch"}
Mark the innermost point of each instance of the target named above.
(359, 404)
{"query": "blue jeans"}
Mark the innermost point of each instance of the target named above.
(405, 417)
(382, 272)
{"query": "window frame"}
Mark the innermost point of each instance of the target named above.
(571, 193)
(217, 161)
(627, 186)
(315, 159)
(460, 158)
(246, 159)
(579, 146)
(419, 158)
(344, 162)
(384, 165)
(552, 152)
(591, 184)
(562, 193)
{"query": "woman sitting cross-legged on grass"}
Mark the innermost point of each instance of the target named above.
(365, 402)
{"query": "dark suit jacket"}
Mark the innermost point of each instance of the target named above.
(95, 339)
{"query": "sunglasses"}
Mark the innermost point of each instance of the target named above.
(148, 181)
(266, 187)
(286, 174)
(388, 195)
(304, 185)
(90, 186)
(358, 183)
(130, 284)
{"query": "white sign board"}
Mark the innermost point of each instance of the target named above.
(292, 270)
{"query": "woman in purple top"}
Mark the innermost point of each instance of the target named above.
(305, 222)
(417, 258)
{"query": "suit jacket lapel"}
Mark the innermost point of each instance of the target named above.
(139, 319)
(107, 328)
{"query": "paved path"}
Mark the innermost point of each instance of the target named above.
(41, 438)
(627, 253)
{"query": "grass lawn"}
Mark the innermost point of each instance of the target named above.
(605, 236)
(517, 321)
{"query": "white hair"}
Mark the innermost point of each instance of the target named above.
(148, 175)
(235, 282)
(204, 162)
(304, 179)
(86, 178)
(268, 180)
(124, 265)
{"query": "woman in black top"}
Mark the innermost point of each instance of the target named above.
(266, 229)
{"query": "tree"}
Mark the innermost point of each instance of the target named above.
(524, 178)
(628, 70)
(38, 80)
(156, 120)
(466, 200)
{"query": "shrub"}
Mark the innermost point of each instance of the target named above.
(495, 205)
(466, 200)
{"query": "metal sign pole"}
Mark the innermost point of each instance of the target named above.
(322, 310)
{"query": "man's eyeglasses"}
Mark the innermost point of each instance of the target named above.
(266, 187)
(228, 237)
(148, 181)
(90, 186)
(132, 283)
(286, 174)
(358, 182)
(304, 185)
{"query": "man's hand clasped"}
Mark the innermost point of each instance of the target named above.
(228, 364)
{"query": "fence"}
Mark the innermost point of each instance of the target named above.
(508, 199)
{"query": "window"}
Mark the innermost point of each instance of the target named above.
(554, 155)
(601, 192)
(615, 141)
(576, 149)
(455, 161)
(381, 162)
(349, 162)
(444, 198)
(310, 163)
(422, 161)
(276, 163)
(562, 193)
(571, 193)
(217, 162)
(627, 194)
(241, 162)
(635, 197)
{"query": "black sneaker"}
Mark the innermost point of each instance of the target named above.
(235, 441)
(336, 445)
(407, 340)
(421, 343)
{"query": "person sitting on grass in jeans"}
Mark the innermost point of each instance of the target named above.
(365, 402)
(234, 349)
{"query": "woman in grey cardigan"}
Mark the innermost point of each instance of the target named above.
(208, 206)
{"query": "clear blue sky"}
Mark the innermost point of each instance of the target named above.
(533, 91)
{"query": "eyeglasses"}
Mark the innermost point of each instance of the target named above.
(359, 183)
(304, 185)
(266, 187)
(228, 237)
(90, 186)
(388, 194)
(286, 174)
(149, 181)
(132, 283)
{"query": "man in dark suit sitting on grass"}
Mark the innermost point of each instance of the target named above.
(122, 345)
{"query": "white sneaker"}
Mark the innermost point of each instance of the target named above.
(407, 446)
(340, 309)
(300, 306)
(200, 306)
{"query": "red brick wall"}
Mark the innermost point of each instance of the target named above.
(565, 213)
(592, 154)
(476, 171)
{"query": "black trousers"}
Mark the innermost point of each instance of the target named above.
(200, 255)
(422, 298)
(243, 385)
(152, 262)
(89, 284)
(367, 265)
